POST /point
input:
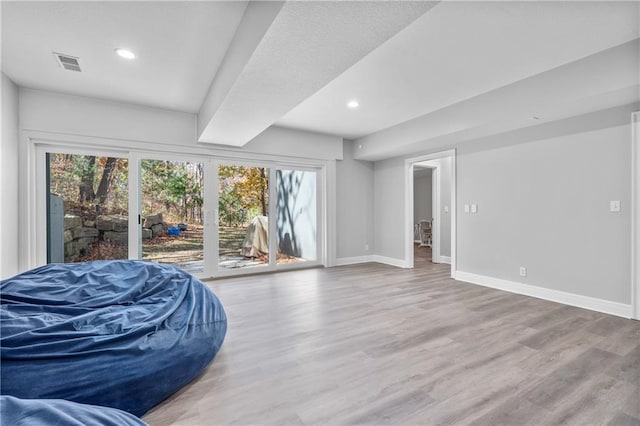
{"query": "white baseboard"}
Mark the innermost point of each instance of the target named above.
(353, 260)
(592, 303)
(400, 263)
(445, 259)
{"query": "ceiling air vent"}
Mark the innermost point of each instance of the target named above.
(68, 62)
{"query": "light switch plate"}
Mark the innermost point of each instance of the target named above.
(614, 206)
(474, 208)
(466, 208)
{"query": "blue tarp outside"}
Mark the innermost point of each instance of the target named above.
(122, 334)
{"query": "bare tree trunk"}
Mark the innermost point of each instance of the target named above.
(105, 180)
(85, 188)
(200, 174)
(263, 190)
(184, 208)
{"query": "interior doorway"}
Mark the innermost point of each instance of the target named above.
(425, 188)
(430, 202)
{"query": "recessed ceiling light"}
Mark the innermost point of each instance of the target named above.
(125, 53)
(353, 104)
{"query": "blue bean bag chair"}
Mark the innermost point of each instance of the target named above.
(123, 334)
(49, 412)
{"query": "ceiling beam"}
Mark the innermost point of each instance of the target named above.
(257, 19)
(604, 80)
(306, 46)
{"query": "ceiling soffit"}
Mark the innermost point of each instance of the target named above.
(306, 46)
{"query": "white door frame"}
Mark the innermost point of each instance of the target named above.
(135, 202)
(635, 215)
(408, 226)
(436, 205)
(33, 184)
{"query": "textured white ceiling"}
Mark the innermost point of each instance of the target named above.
(307, 45)
(605, 80)
(459, 50)
(179, 46)
(427, 74)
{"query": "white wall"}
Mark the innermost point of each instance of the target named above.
(355, 206)
(295, 143)
(635, 226)
(545, 205)
(83, 116)
(422, 196)
(542, 204)
(9, 184)
(445, 202)
(152, 128)
(389, 216)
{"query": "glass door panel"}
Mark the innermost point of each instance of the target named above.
(172, 196)
(243, 222)
(296, 222)
(87, 208)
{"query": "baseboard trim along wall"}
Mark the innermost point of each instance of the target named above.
(354, 260)
(586, 302)
(400, 263)
(445, 259)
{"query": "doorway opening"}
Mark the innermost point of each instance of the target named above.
(430, 219)
(425, 188)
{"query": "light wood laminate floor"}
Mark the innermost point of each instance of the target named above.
(374, 344)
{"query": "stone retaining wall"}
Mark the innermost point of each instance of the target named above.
(114, 228)
(77, 236)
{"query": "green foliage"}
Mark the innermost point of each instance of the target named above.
(244, 193)
(173, 187)
(231, 211)
(81, 166)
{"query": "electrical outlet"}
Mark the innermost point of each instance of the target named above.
(474, 208)
(446, 209)
(523, 271)
(614, 206)
(466, 208)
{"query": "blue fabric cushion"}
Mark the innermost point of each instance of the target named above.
(50, 412)
(123, 334)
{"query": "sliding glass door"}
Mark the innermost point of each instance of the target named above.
(208, 217)
(267, 217)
